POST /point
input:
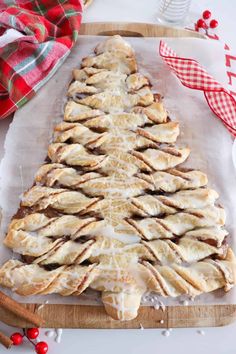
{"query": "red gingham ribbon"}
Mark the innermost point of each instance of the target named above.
(192, 75)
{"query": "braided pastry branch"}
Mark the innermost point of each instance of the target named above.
(95, 184)
(178, 224)
(200, 277)
(44, 239)
(128, 140)
(94, 118)
(105, 80)
(117, 102)
(129, 163)
(31, 279)
(117, 62)
(69, 202)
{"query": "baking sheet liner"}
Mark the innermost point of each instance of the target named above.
(211, 144)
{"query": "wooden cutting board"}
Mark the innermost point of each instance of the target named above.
(76, 316)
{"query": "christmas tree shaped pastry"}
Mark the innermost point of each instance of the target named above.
(112, 209)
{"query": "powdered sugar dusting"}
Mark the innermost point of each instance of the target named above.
(166, 333)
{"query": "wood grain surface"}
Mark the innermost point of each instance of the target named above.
(76, 316)
(135, 30)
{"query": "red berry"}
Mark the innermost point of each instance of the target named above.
(201, 23)
(206, 14)
(213, 23)
(17, 338)
(32, 333)
(196, 27)
(41, 348)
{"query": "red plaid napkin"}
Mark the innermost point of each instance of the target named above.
(192, 75)
(50, 29)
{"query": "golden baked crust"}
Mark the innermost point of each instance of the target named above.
(112, 209)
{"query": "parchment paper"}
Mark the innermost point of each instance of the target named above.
(211, 144)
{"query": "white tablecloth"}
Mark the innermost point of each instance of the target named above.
(184, 341)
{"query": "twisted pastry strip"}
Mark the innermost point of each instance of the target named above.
(66, 252)
(155, 113)
(118, 162)
(60, 200)
(200, 277)
(188, 249)
(56, 174)
(212, 235)
(66, 280)
(36, 234)
(106, 142)
(121, 121)
(85, 73)
(75, 155)
(60, 251)
(93, 184)
(150, 205)
(172, 280)
(179, 223)
(133, 82)
(161, 133)
(116, 61)
(77, 112)
(164, 158)
(117, 101)
(31, 279)
(78, 133)
(105, 80)
(163, 251)
(154, 205)
(121, 139)
(173, 180)
(69, 202)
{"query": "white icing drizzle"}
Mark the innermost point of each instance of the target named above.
(162, 306)
(21, 179)
(185, 302)
(166, 333)
(42, 305)
(58, 335)
(50, 333)
(110, 232)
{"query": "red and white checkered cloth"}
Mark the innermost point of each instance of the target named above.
(192, 75)
(48, 30)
